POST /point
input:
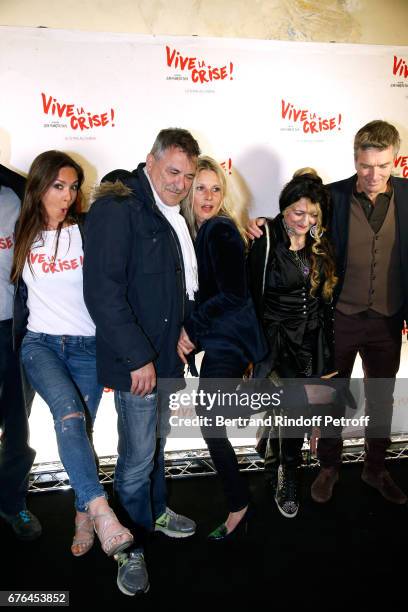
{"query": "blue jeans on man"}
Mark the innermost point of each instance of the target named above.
(137, 421)
(143, 427)
(140, 473)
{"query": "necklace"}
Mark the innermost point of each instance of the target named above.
(301, 261)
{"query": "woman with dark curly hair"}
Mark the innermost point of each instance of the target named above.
(292, 274)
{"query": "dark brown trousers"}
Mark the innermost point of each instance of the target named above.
(378, 341)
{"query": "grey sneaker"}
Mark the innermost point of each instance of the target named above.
(25, 525)
(132, 577)
(175, 525)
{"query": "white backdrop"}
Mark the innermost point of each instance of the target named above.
(262, 108)
(271, 107)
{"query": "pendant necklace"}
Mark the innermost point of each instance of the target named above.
(301, 261)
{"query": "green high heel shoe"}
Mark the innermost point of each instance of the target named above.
(221, 534)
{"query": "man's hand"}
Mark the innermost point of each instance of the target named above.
(253, 229)
(319, 394)
(184, 345)
(143, 380)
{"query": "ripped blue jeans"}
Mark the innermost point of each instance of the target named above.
(62, 370)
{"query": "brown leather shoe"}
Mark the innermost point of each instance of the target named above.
(382, 481)
(322, 488)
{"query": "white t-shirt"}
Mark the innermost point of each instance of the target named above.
(9, 211)
(55, 290)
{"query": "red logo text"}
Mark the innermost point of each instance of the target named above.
(200, 72)
(7, 242)
(400, 67)
(402, 162)
(311, 122)
(78, 117)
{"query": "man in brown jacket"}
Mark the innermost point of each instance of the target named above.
(369, 221)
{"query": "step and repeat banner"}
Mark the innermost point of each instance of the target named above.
(262, 108)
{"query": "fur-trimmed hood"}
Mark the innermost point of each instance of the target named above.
(107, 188)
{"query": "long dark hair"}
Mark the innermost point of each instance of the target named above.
(309, 185)
(33, 219)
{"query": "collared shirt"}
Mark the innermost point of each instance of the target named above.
(376, 212)
(178, 223)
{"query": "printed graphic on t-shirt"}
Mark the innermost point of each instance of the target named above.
(7, 242)
(48, 264)
(55, 285)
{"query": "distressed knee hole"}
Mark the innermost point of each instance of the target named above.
(74, 415)
(72, 422)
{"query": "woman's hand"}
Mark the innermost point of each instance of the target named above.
(184, 345)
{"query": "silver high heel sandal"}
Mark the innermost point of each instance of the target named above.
(112, 535)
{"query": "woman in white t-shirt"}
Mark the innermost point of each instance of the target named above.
(58, 347)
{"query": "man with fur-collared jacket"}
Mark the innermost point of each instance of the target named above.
(140, 277)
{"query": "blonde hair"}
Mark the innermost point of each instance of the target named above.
(307, 170)
(322, 261)
(227, 209)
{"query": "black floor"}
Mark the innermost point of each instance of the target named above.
(355, 546)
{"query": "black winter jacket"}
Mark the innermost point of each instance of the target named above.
(134, 284)
(225, 318)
